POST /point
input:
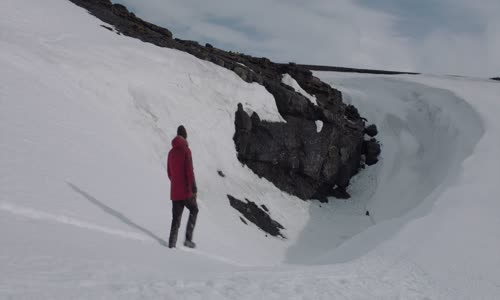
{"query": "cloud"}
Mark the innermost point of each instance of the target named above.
(457, 37)
(473, 50)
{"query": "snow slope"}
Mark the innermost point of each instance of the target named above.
(86, 121)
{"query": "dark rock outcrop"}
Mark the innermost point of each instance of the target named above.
(292, 155)
(126, 22)
(496, 78)
(371, 150)
(371, 130)
(260, 217)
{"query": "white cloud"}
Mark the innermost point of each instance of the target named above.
(334, 32)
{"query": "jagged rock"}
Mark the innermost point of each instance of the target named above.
(120, 10)
(371, 149)
(242, 121)
(352, 113)
(255, 119)
(371, 130)
(295, 157)
(253, 213)
(341, 193)
(292, 155)
(126, 22)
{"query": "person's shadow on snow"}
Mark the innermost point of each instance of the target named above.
(116, 214)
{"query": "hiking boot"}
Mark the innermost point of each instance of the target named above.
(189, 244)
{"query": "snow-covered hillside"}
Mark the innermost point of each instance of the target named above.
(86, 121)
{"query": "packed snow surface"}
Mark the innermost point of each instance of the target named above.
(86, 120)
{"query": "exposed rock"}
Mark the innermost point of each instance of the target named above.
(107, 27)
(221, 174)
(290, 103)
(341, 193)
(371, 130)
(126, 22)
(352, 113)
(496, 78)
(242, 72)
(371, 150)
(295, 157)
(292, 155)
(256, 215)
(120, 10)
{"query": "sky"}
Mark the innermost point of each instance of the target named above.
(459, 37)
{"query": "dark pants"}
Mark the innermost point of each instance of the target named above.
(177, 209)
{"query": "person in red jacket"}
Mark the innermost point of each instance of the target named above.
(182, 187)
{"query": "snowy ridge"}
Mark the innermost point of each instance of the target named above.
(86, 121)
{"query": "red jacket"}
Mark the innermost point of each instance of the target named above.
(180, 170)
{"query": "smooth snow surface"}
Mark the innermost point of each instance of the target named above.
(291, 82)
(86, 121)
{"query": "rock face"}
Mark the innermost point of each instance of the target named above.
(292, 155)
(295, 157)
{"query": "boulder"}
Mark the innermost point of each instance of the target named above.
(371, 130)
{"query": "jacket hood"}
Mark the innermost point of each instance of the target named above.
(179, 142)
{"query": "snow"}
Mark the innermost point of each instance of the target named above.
(319, 125)
(86, 121)
(291, 82)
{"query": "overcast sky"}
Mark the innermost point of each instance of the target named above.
(459, 37)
